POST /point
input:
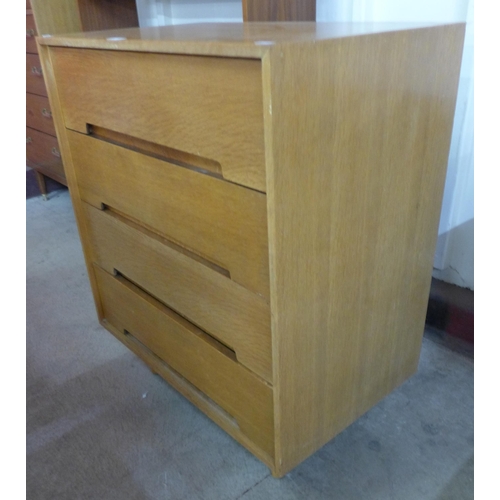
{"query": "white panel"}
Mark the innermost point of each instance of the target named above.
(424, 10)
(195, 11)
(154, 12)
(344, 10)
(164, 12)
(328, 11)
(392, 10)
(454, 260)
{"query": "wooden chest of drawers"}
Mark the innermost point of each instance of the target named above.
(258, 207)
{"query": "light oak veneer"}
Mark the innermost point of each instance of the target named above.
(258, 206)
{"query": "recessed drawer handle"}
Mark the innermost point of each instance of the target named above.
(214, 342)
(28, 140)
(30, 33)
(165, 153)
(56, 152)
(117, 215)
(36, 71)
(183, 382)
(47, 113)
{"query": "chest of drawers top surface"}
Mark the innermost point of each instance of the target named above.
(258, 206)
(223, 39)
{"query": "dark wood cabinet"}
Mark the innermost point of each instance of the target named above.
(50, 17)
(279, 10)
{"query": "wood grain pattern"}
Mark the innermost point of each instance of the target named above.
(56, 16)
(38, 114)
(229, 312)
(223, 222)
(69, 16)
(279, 10)
(350, 275)
(99, 15)
(55, 105)
(356, 139)
(200, 400)
(243, 395)
(208, 107)
(242, 40)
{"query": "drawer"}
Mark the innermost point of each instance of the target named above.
(191, 353)
(222, 222)
(43, 150)
(208, 107)
(31, 34)
(38, 114)
(227, 311)
(34, 77)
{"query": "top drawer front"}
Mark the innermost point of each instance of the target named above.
(206, 106)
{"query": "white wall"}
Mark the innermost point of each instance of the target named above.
(454, 259)
(164, 12)
(154, 12)
(191, 11)
(391, 10)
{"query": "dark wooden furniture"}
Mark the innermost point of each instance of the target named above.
(279, 10)
(50, 17)
(42, 149)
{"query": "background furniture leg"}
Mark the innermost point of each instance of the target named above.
(41, 184)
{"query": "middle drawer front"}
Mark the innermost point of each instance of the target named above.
(217, 220)
(227, 311)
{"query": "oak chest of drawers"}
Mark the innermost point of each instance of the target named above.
(258, 207)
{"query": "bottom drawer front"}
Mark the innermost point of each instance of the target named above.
(191, 353)
(43, 150)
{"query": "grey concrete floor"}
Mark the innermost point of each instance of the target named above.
(100, 425)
